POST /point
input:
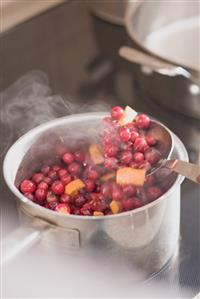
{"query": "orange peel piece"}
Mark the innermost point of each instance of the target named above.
(96, 154)
(108, 177)
(130, 176)
(128, 116)
(115, 206)
(98, 213)
(73, 187)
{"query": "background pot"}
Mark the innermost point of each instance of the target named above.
(148, 236)
(177, 93)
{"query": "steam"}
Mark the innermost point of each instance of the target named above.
(30, 102)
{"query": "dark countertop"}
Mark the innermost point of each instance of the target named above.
(78, 52)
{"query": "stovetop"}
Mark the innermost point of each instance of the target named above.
(78, 53)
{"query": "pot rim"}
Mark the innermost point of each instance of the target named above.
(58, 121)
(130, 12)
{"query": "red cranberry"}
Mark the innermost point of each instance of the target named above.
(141, 193)
(131, 203)
(138, 157)
(66, 179)
(92, 174)
(142, 121)
(53, 175)
(133, 164)
(62, 172)
(140, 144)
(65, 198)
(149, 180)
(152, 155)
(132, 127)
(43, 185)
(150, 140)
(111, 163)
(111, 150)
(124, 134)
(89, 185)
(52, 205)
(40, 195)
(74, 168)
(99, 205)
(38, 177)
(117, 112)
(63, 208)
(29, 195)
(153, 193)
(134, 135)
(126, 157)
(56, 167)
(162, 174)
(57, 187)
(144, 165)
(51, 197)
(79, 201)
(79, 156)
(27, 186)
(129, 190)
(126, 146)
(47, 180)
(117, 193)
(106, 189)
(45, 169)
(68, 158)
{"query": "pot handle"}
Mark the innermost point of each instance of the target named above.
(156, 64)
(19, 241)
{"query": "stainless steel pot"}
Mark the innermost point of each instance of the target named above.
(174, 92)
(147, 235)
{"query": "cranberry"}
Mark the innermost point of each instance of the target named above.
(52, 205)
(133, 164)
(141, 193)
(106, 189)
(51, 197)
(65, 198)
(150, 140)
(56, 167)
(47, 180)
(124, 134)
(79, 156)
(152, 155)
(162, 173)
(149, 180)
(45, 169)
(142, 121)
(89, 185)
(111, 150)
(29, 195)
(153, 193)
(144, 165)
(63, 208)
(131, 203)
(62, 172)
(134, 135)
(132, 127)
(126, 146)
(138, 157)
(99, 205)
(38, 177)
(140, 144)
(117, 112)
(43, 185)
(117, 193)
(53, 175)
(74, 168)
(111, 163)
(129, 190)
(57, 187)
(27, 186)
(126, 157)
(40, 195)
(66, 179)
(79, 201)
(68, 158)
(92, 174)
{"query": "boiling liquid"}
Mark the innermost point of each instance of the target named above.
(179, 42)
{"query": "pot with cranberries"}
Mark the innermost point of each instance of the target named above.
(83, 180)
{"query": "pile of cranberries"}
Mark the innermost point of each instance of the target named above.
(127, 145)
